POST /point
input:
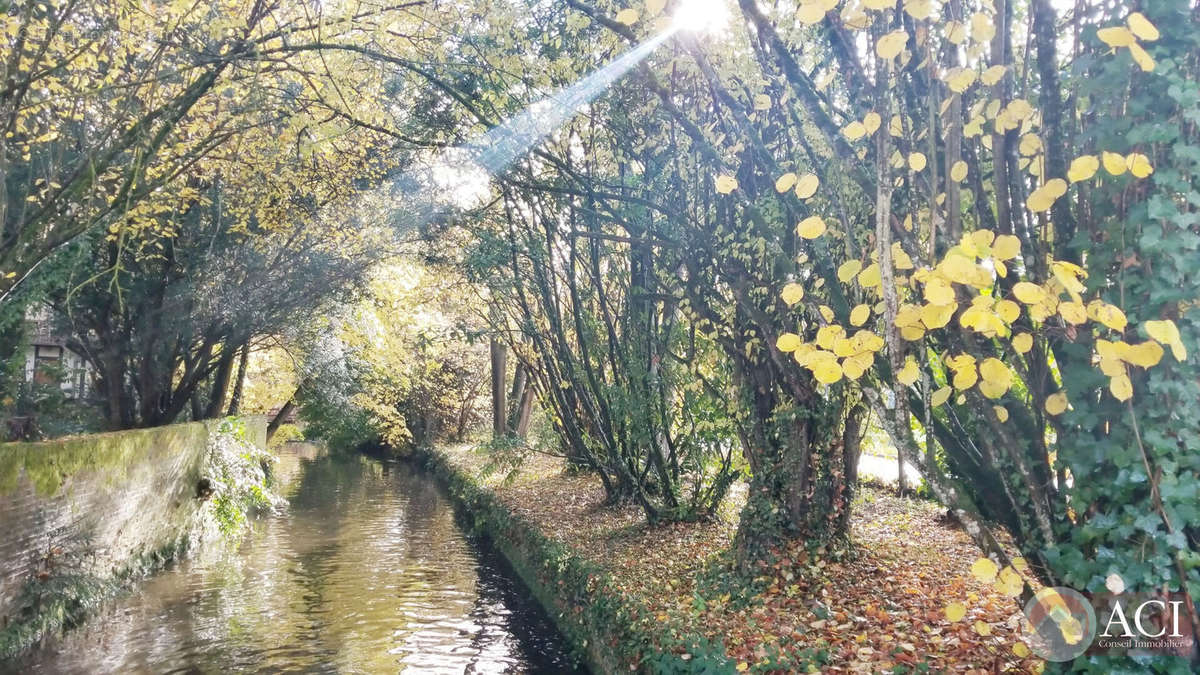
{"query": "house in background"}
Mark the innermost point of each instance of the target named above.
(48, 357)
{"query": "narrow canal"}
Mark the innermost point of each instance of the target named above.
(366, 571)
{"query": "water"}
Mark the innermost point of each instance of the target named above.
(366, 572)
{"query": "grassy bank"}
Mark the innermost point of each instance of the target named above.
(632, 597)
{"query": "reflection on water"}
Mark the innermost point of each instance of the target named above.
(367, 572)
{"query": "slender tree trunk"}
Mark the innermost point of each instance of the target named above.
(235, 403)
(499, 409)
(220, 388)
(516, 396)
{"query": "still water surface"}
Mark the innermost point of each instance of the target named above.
(365, 572)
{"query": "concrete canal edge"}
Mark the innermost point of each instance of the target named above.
(83, 516)
(612, 633)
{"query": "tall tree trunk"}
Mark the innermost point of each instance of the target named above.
(524, 411)
(220, 388)
(499, 409)
(235, 403)
(516, 396)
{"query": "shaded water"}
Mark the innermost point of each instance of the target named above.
(366, 572)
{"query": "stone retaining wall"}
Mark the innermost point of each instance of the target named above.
(78, 515)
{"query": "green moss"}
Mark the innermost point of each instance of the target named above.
(49, 463)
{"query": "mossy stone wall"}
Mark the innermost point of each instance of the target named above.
(100, 506)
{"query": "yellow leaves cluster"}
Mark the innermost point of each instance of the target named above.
(1044, 197)
(860, 129)
(833, 355)
(1136, 26)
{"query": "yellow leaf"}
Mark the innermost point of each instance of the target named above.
(896, 126)
(965, 378)
(810, 13)
(826, 312)
(854, 131)
(742, 666)
(792, 293)
(871, 122)
(1006, 247)
(1009, 582)
(1113, 163)
(959, 171)
(889, 46)
(1167, 333)
(983, 27)
(1056, 403)
(955, 611)
(912, 333)
(939, 292)
(1001, 413)
(827, 371)
(807, 185)
(1107, 314)
(1139, 165)
(1121, 387)
(1083, 168)
(859, 315)
(1073, 312)
(936, 316)
(653, 7)
(627, 16)
(1020, 650)
(956, 32)
(992, 75)
(870, 277)
(785, 182)
(1008, 310)
(910, 373)
(1115, 36)
(940, 396)
(984, 629)
(984, 570)
(1141, 27)
(1028, 293)
(916, 161)
(918, 9)
(788, 342)
(1039, 200)
(1030, 144)
(960, 79)
(762, 102)
(854, 366)
(994, 370)
(811, 227)
(848, 270)
(726, 184)
(1140, 57)
(1144, 354)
